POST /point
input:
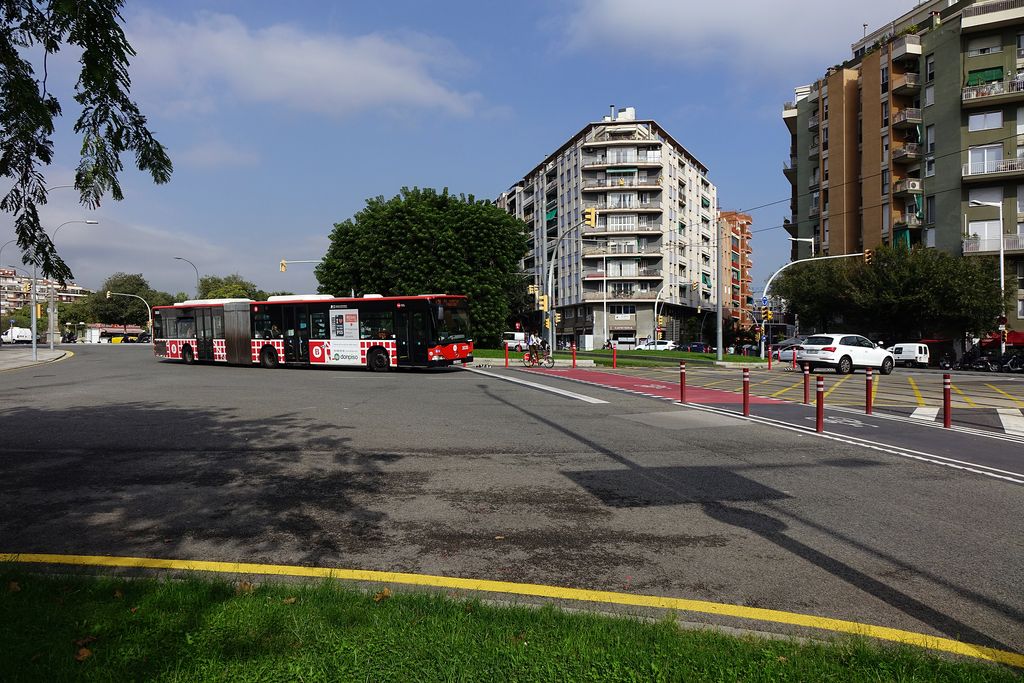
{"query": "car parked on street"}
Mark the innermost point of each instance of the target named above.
(844, 353)
(657, 345)
(699, 347)
(785, 353)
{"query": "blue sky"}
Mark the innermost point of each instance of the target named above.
(283, 117)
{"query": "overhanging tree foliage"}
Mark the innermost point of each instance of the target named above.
(110, 123)
(123, 310)
(427, 241)
(903, 294)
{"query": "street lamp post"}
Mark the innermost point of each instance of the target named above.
(1002, 267)
(51, 318)
(149, 310)
(179, 258)
(804, 239)
(3, 290)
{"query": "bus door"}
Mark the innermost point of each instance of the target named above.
(296, 333)
(204, 334)
(419, 336)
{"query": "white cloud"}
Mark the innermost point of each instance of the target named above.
(747, 35)
(214, 153)
(197, 66)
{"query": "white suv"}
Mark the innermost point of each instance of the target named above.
(844, 352)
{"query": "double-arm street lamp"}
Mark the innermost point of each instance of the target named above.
(1002, 268)
(181, 258)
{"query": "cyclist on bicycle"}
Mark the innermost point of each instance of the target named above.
(534, 344)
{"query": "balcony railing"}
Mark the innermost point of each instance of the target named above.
(909, 115)
(614, 294)
(909, 220)
(908, 80)
(813, 151)
(1010, 85)
(813, 121)
(980, 245)
(622, 182)
(908, 150)
(623, 250)
(989, 7)
(907, 186)
(994, 166)
(814, 210)
(645, 205)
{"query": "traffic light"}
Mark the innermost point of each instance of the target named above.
(590, 217)
(39, 310)
(869, 256)
(661, 321)
(542, 302)
(558, 317)
(533, 289)
(108, 293)
(693, 285)
(547, 322)
(769, 315)
(284, 265)
(765, 312)
(25, 288)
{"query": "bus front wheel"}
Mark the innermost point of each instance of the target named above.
(268, 357)
(186, 355)
(377, 361)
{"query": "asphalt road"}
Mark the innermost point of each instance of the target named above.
(462, 474)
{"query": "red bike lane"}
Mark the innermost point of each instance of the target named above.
(649, 387)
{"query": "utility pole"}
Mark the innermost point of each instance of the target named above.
(719, 251)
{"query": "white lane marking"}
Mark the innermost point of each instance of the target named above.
(928, 413)
(984, 470)
(1013, 421)
(542, 387)
(986, 433)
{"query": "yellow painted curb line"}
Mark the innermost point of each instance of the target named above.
(538, 590)
(1016, 400)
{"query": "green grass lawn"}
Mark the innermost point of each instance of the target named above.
(56, 628)
(629, 358)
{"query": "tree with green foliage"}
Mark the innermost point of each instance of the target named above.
(109, 122)
(428, 241)
(903, 294)
(232, 286)
(123, 310)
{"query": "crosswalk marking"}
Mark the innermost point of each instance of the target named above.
(925, 413)
(1012, 420)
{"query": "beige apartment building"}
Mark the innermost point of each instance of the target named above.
(653, 239)
(917, 139)
(738, 303)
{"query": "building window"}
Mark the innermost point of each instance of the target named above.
(929, 167)
(985, 45)
(885, 148)
(982, 76)
(1020, 199)
(989, 195)
(929, 68)
(929, 209)
(885, 182)
(622, 309)
(929, 95)
(885, 114)
(984, 159)
(885, 218)
(986, 120)
(929, 139)
(885, 79)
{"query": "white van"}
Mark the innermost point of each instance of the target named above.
(515, 341)
(17, 335)
(911, 354)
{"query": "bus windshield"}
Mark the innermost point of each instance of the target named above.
(452, 324)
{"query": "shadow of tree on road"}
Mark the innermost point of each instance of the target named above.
(145, 478)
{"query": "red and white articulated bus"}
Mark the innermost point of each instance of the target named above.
(430, 330)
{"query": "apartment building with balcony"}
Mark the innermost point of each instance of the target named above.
(654, 238)
(917, 139)
(738, 301)
(15, 291)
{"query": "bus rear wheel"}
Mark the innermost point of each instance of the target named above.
(186, 355)
(378, 361)
(268, 357)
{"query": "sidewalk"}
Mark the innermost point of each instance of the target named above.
(14, 356)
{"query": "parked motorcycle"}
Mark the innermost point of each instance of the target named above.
(946, 362)
(984, 364)
(1013, 362)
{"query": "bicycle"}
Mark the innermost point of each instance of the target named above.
(545, 360)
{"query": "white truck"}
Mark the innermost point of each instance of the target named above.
(17, 335)
(911, 354)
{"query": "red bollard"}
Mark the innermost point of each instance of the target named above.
(682, 381)
(794, 359)
(807, 383)
(867, 393)
(615, 362)
(769, 356)
(506, 355)
(947, 402)
(819, 425)
(746, 391)
(574, 356)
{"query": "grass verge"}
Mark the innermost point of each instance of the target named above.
(86, 628)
